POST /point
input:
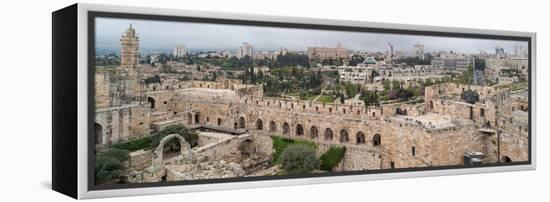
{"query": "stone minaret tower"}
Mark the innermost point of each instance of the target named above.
(129, 48)
(130, 86)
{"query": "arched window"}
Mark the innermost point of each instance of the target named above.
(98, 130)
(219, 122)
(242, 123)
(506, 159)
(344, 137)
(259, 124)
(286, 128)
(299, 130)
(360, 138)
(272, 126)
(189, 118)
(328, 134)
(376, 140)
(152, 101)
(197, 118)
(313, 133)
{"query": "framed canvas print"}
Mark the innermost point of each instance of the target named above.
(149, 101)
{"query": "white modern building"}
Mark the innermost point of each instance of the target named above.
(179, 51)
(246, 49)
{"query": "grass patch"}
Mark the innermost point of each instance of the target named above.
(134, 145)
(332, 157)
(280, 144)
(325, 99)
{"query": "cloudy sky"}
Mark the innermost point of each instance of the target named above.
(203, 36)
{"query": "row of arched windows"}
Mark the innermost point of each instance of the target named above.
(328, 134)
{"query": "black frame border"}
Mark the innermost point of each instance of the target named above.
(92, 15)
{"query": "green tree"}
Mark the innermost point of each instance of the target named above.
(109, 165)
(299, 159)
(332, 157)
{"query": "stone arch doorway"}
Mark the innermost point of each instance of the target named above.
(344, 136)
(197, 118)
(259, 124)
(98, 133)
(242, 122)
(328, 134)
(360, 138)
(152, 101)
(272, 126)
(185, 149)
(286, 128)
(313, 133)
(246, 147)
(506, 159)
(299, 130)
(376, 140)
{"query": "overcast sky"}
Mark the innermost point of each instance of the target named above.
(155, 34)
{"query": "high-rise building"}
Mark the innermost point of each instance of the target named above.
(520, 51)
(129, 42)
(419, 50)
(246, 49)
(179, 51)
(499, 52)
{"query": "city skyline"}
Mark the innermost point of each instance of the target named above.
(166, 35)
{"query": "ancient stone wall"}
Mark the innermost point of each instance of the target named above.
(139, 160)
(120, 124)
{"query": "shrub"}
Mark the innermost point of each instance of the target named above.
(189, 135)
(299, 159)
(152, 79)
(332, 157)
(134, 145)
(280, 144)
(108, 165)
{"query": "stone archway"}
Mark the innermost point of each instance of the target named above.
(98, 132)
(152, 101)
(197, 118)
(344, 136)
(286, 128)
(242, 122)
(376, 140)
(189, 118)
(299, 130)
(246, 147)
(259, 124)
(185, 149)
(328, 134)
(506, 159)
(313, 133)
(360, 138)
(272, 126)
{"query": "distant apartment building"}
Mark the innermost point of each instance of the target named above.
(419, 50)
(354, 74)
(266, 55)
(507, 80)
(245, 50)
(322, 53)
(179, 51)
(520, 51)
(453, 61)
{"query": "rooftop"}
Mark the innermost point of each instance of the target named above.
(429, 120)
